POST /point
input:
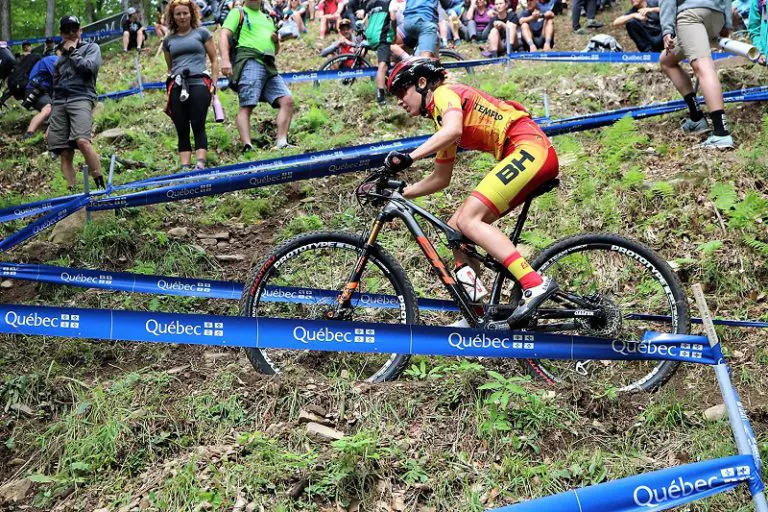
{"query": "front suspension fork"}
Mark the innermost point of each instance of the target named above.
(353, 282)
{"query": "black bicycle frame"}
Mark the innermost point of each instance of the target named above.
(400, 208)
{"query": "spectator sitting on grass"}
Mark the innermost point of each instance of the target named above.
(502, 20)
(329, 12)
(344, 45)
(643, 25)
(293, 21)
(538, 29)
(740, 13)
(478, 20)
(450, 22)
(133, 31)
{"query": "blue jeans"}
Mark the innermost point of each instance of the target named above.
(421, 34)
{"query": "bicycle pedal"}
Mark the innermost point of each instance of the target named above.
(501, 325)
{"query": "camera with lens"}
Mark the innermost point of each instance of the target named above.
(31, 98)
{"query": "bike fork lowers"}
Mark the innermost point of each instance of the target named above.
(354, 280)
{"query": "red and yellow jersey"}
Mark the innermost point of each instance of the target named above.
(486, 119)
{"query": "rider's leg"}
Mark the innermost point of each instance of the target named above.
(460, 257)
(472, 223)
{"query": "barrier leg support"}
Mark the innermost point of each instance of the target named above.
(138, 75)
(742, 433)
(87, 190)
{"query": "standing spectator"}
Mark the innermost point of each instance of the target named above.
(690, 29)
(50, 48)
(380, 34)
(185, 49)
(329, 15)
(758, 28)
(133, 31)
(254, 71)
(478, 20)
(74, 94)
(643, 25)
(591, 9)
(503, 21)
(40, 92)
(420, 26)
(537, 28)
(7, 60)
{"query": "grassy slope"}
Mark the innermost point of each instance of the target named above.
(184, 428)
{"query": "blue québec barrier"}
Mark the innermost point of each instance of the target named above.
(228, 290)
(291, 334)
(660, 490)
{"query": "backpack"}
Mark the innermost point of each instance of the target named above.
(603, 43)
(17, 80)
(234, 38)
(378, 31)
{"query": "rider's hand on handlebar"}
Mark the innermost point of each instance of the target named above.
(397, 161)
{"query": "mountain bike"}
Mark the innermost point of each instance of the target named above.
(358, 59)
(610, 287)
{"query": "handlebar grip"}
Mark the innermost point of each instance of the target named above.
(398, 185)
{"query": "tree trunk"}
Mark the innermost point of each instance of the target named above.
(5, 20)
(49, 17)
(90, 11)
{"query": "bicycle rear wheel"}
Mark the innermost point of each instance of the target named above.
(345, 63)
(302, 279)
(634, 286)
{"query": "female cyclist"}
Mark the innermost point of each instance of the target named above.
(471, 119)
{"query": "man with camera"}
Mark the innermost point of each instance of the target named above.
(74, 95)
(40, 92)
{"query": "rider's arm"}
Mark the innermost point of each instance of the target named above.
(446, 136)
(436, 181)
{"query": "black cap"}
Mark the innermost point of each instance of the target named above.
(26, 43)
(69, 21)
(49, 40)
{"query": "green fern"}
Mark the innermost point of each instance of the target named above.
(746, 213)
(709, 248)
(757, 245)
(661, 189)
(633, 177)
(620, 141)
(724, 195)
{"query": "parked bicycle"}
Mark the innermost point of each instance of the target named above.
(610, 287)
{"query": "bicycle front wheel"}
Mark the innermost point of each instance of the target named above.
(634, 288)
(448, 55)
(302, 279)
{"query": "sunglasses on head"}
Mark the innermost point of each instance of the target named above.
(181, 2)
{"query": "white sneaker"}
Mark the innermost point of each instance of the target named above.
(532, 299)
(716, 142)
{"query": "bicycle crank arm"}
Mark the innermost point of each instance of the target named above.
(567, 313)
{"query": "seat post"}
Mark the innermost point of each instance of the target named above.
(515, 236)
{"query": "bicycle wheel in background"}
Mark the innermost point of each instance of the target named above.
(447, 55)
(344, 62)
(325, 261)
(627, 279)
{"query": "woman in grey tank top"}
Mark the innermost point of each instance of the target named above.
(189, 87)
